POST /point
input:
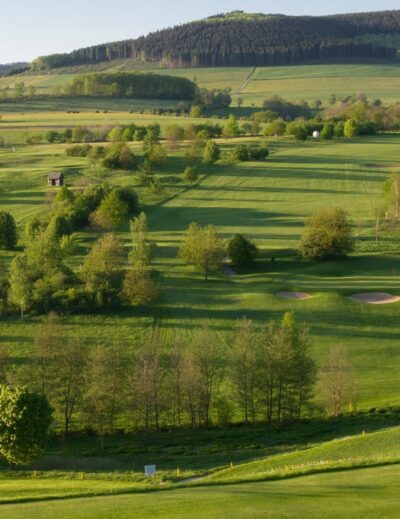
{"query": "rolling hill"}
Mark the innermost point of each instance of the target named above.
(240, 39)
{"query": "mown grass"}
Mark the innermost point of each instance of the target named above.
(359, 493)
(269, 203)
(366, 449)
(311, 82)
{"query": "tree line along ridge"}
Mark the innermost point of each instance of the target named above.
(240, 39)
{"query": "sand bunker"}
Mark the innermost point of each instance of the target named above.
(375, 298)
(294, 295)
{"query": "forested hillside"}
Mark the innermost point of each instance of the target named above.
(240, 39)
(13, 68)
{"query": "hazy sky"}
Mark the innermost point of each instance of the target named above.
(30, 28)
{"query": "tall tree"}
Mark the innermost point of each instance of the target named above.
(174, 134)
(245, 368)
(49, 341)
(286, 368)
(336, 385)
(25, 418)
(211, 153)
(208, 361)
(145, 381)
(100, 268)
(69, 368)
(104, 389)
(8, 231)
(203, 248)
(142, 247)
(21, 284)
(139, 288)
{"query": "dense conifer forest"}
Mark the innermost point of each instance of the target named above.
(240, 39)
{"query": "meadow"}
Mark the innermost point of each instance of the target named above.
(321, 467)
(252, 85)
(268, 203)
(350, 494)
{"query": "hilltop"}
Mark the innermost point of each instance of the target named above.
(250, 39)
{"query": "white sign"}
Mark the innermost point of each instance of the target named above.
(150, 470)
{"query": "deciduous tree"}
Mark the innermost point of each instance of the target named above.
(25, 418)
(203, 248)
(328, 235)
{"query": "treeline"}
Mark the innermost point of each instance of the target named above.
(132, 86)
(13, 68)
(245, 41)
(266, 373)
(259, 373)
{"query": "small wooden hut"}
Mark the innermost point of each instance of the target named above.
(55, 179)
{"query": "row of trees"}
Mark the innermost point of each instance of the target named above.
(301, 130)
(259, 374)
(359, 109)
(131, 85)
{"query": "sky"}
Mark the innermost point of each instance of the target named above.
(31, 28)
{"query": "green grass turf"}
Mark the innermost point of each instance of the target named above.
(311, 82)
(269, 203)
(365, 449)
(352, 494)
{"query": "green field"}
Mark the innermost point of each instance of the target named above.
(371, 493)
(366, 449)
(269, 203)
(293, 484)
(345, 467)
(309, 82)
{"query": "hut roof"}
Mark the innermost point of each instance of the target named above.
(55, 175)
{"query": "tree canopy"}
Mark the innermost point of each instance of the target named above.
(24, 421)
(327, 235)
(203, 248)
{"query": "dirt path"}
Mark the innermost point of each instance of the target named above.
(245, 84)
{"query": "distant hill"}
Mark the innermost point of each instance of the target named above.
(13, 68)
(242, 39)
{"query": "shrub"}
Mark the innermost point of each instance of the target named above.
(277, 127)
(351, 128)
(258, 154)
(211, 152)
(338, 131)
(240, 153)
(327, 131)
(327, 236)
(241, 251)
(190, 175)
(78, 150)
(119, 156)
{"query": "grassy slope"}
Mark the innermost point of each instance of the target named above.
(362, 493)
(311, 82)
(268, 203)
(379, 447)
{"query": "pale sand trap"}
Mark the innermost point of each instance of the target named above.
(375, 298)
(294, 295)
